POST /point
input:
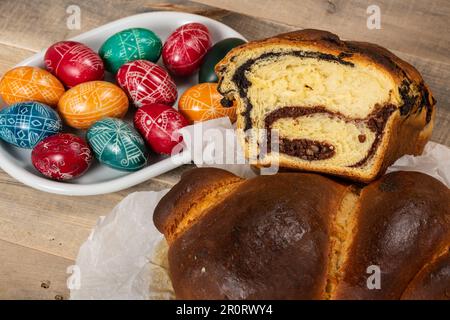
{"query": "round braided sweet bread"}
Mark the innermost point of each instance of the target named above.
(307, 236)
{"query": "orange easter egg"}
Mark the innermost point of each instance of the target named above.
(89, 102)
(203, 102)
(30, 84)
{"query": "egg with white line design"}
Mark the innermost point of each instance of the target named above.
(185, 48)
(73, 63)
(63, 156)
(159, 125)
(25, 124)
(129, 45)
(29, 83)
(117, 145)
(145, 82)
(83, 105)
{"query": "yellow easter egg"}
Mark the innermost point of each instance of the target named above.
(83, 105)
(30, 84)
(203, 102)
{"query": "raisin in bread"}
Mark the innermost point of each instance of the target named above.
(340, 107)
(306, 236)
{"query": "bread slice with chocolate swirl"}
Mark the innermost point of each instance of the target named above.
(340, 107)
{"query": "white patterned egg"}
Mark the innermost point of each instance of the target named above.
(117, 145)
(129, 45)
(25, 124)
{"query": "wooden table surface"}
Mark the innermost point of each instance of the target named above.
(40, 233)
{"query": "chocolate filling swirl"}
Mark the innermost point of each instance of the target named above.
(310, 150)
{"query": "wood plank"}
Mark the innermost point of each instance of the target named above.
(48, 229)
(51, 19)
(30, 274)
(172, 177)
(41, 23)
(52, 223)
(10, 56)
(253, 28)
(417, 27)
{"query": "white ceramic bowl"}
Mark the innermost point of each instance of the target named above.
(101, 179)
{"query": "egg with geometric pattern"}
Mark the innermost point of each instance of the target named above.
(185, 48)
(25, 124)
(62, 156)
(73, 63)
(117, 145)
(83, 105)
(129, 45)
(203, 102)
(159, 125)
(145, 82)
(27, 83)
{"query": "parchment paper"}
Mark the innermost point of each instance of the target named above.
(125, 257)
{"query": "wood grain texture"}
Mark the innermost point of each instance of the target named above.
(41, 23)
(417, 27)
(52, 223)
(30, 274)
(10, 56)
(40, 233)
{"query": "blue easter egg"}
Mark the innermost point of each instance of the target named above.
(25, 124)
(117, 145)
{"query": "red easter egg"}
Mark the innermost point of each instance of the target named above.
(185, 48)
(74, 63)
(146, 83)
(62, 156)
(158, 124)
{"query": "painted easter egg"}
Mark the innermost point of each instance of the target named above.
(185, 48)
(25, 124)
(213, 56)
(129, 45)
(158, 124)
(203, 102)
(146, 83)
(30, 84)
(86, 103)
(63, 156)
(117, 145)
(74, 63)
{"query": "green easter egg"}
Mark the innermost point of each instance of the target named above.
(117, 145)
(129, 45)
(214, 55)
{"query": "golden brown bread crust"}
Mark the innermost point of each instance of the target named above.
(403, 223)
(272, 237)
(408, 130)
(432, 282)
(262, 243)
(328, 42)
(193, 187)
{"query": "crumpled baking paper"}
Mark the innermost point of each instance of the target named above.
(434, 161)
(125, 257)
(204, 152)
